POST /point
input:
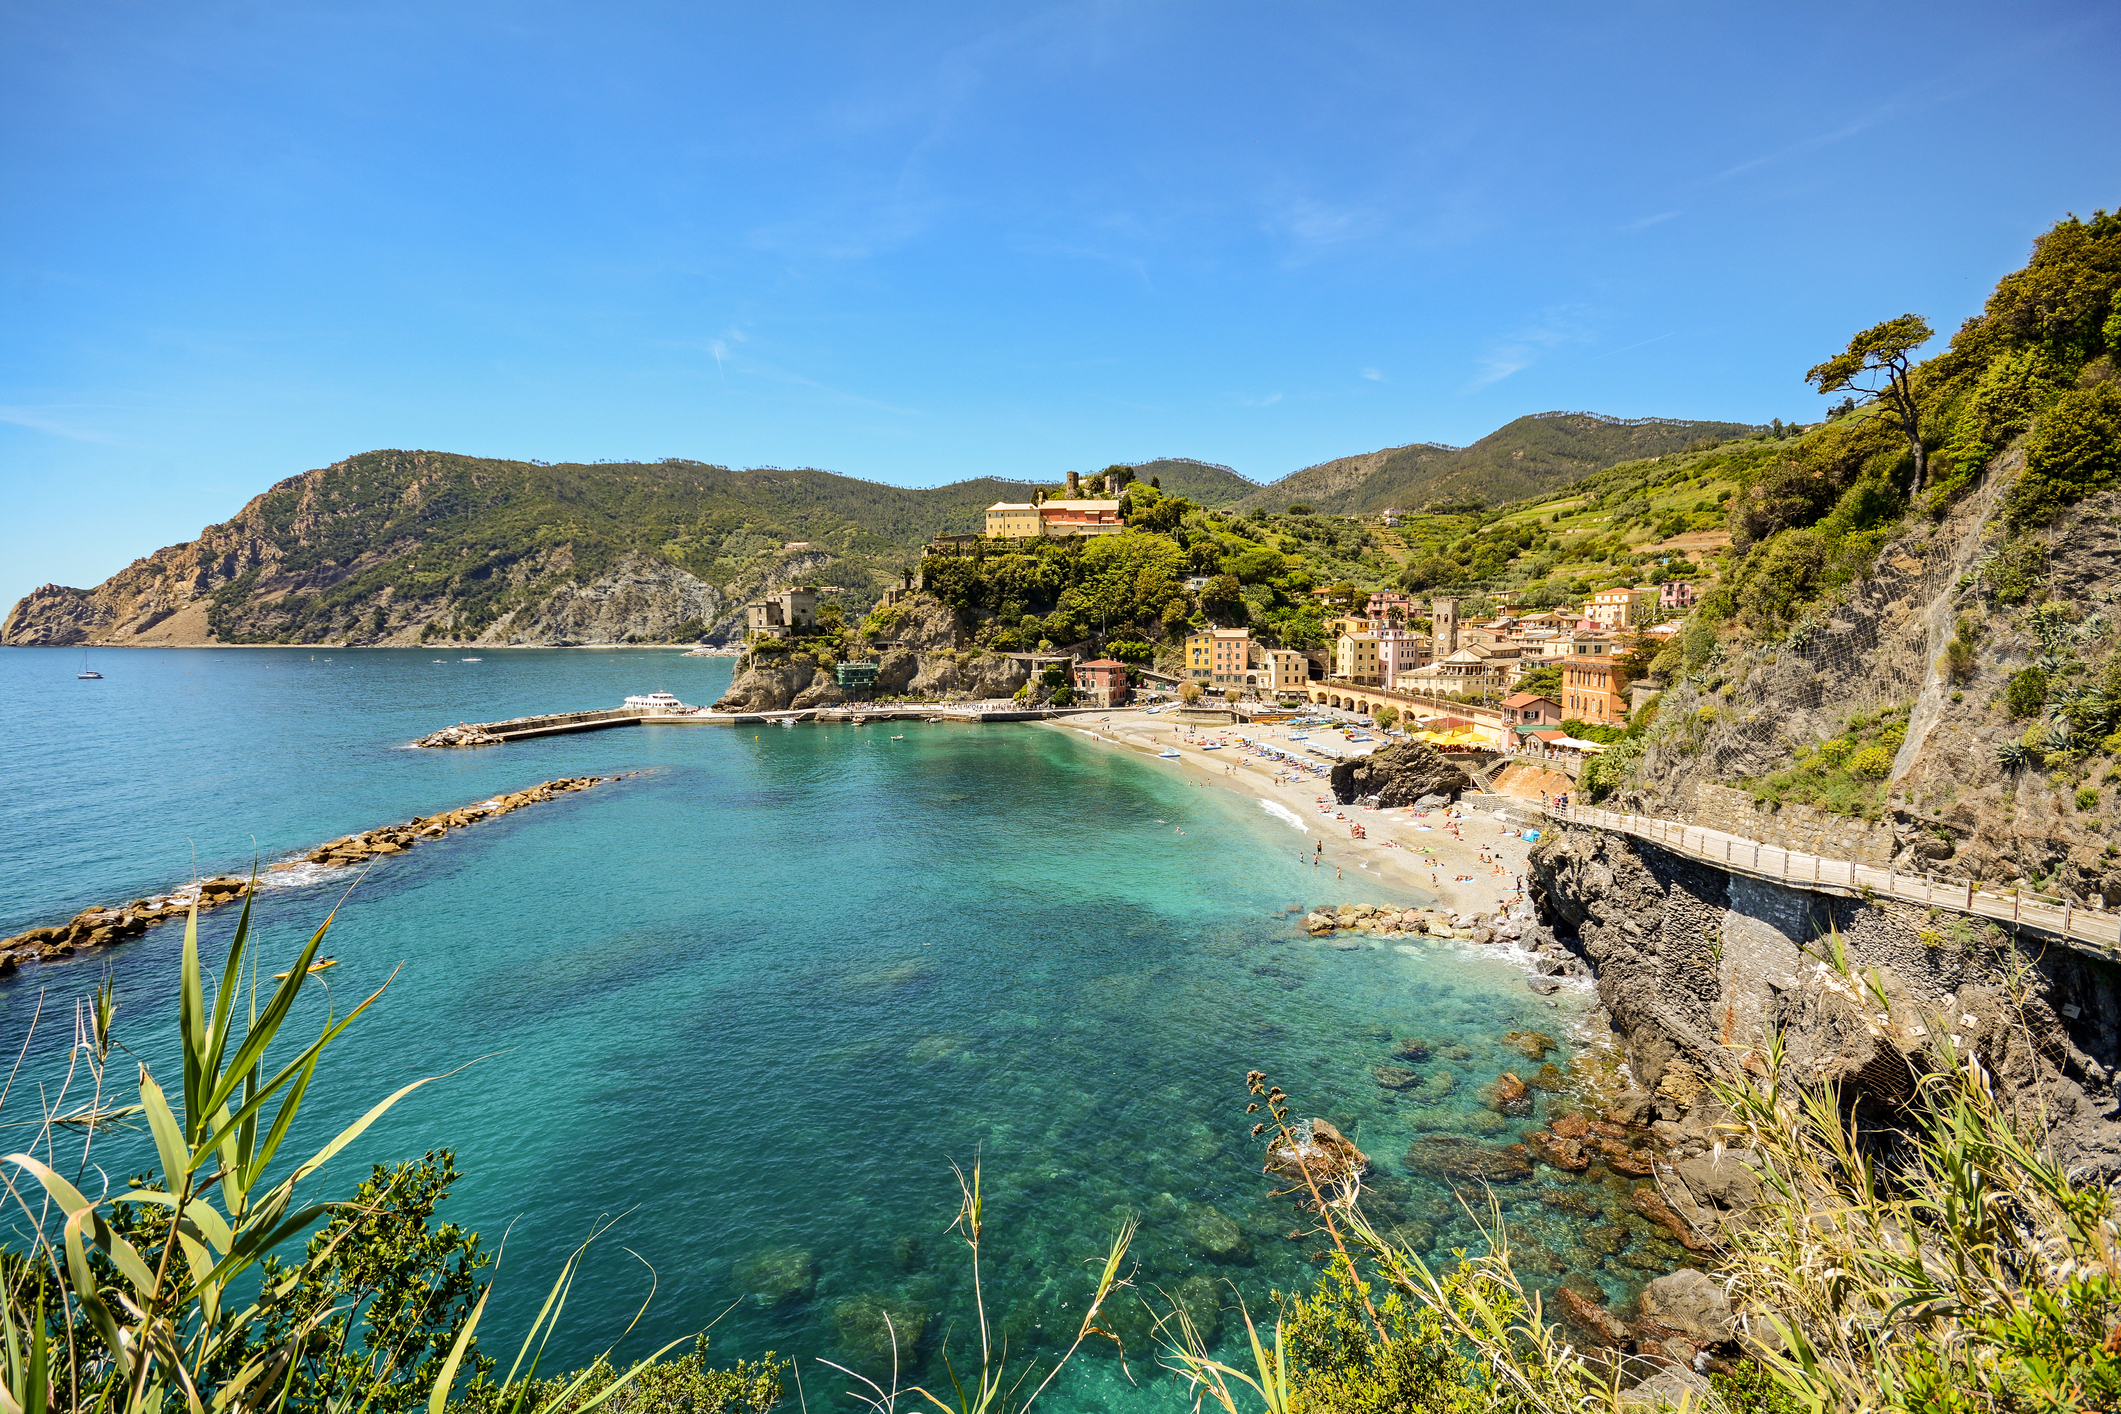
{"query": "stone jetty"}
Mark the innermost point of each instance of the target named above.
(99, 927)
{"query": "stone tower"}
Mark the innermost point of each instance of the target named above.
(1075, 488)
(1443, 627)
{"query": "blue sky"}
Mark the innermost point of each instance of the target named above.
(918, 243)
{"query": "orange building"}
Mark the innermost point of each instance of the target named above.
(1594, 690)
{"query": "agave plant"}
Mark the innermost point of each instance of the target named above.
(2014, 755)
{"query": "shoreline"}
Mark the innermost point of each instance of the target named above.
(1418, 837)
(371, 647)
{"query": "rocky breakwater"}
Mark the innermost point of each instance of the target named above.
(462, 734)
(1551, 960)
(1405, 773)
(99, 927)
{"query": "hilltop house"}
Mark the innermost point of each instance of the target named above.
(1529, 709)
(781, 612)
(1020, 520)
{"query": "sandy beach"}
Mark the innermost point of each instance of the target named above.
(1414, 851)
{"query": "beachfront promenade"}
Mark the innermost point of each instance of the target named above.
(2096, 931)
(562, 723)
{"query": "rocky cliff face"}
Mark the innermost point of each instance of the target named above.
(1697, 967)
(302, 563)
(1947, 800)
(918, 653)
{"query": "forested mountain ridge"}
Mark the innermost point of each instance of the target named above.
(1527, 457)
(399, 546)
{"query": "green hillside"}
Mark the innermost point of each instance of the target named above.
(1204, 482)
(1527, 457)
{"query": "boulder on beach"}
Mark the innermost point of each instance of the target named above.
(1401, 774)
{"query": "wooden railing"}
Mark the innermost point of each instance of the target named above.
(2095, 930)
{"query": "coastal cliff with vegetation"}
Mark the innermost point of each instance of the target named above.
(398, 548)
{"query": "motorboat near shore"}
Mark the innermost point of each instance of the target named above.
(662, 704)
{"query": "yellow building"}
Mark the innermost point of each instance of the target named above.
(1013, 520)
(1355, 658)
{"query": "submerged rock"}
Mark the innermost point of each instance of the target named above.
(866, 1329)
(1211, 1233)
(1416, 1051)
(774, 1275)
(1532, 1045)
(1393, 1077)
(1456, 1160)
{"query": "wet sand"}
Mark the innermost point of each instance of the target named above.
(1423, 856)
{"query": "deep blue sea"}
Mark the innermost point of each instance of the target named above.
(758, 996)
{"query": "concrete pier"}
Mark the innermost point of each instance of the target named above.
(558, 723)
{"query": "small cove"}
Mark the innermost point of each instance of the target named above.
(760, 995)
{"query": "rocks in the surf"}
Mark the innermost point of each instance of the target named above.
(1532, 1045)
(1548, 1078)
(1544, 986)
(1507, 1095)
(1211, 1233)
(1456, 1160)
(1401, 774)
(775, 1275)
(462, 734)
(1411, 1050)
(1328, 1156)
(1565, 1154)
(1586, 1315)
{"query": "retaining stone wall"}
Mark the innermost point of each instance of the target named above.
(1803, 828)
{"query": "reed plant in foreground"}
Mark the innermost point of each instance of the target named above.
(1947, 1264)
(996, 1385)
(160, 1296)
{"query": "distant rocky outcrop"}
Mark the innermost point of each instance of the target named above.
(1400, 774)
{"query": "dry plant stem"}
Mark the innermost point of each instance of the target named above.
(1275, 1100)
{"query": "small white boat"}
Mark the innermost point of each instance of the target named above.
(471, 660)
(86, 670)
(1299, 736)
(900, 737)
(1171, 752)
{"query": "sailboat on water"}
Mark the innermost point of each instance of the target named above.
(86, 670)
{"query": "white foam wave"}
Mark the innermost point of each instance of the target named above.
(300, 876)
(1284, 814)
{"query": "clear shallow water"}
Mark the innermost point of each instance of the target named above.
(758, 996)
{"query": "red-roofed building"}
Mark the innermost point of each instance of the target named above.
(1102, 682)
(1532, 710)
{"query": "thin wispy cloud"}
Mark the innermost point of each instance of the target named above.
(1373, 375)
(40, 420)
(1268, 401)
(1644, 223)
(1811, 144)
(1515, 352)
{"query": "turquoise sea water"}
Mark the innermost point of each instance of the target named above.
(760, 995)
